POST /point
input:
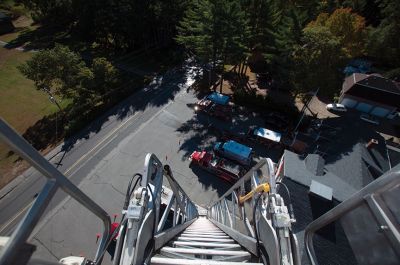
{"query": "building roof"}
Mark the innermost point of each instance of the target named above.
(373, 81)
(373, 87)
(296, 170)
(347, 166)
(330, 243)
(315, 164)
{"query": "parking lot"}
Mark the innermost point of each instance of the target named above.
(172, 134)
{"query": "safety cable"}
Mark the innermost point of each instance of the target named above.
(291, 210)
(130, 189)
(255, 223)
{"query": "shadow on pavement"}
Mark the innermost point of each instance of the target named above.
(156, 94)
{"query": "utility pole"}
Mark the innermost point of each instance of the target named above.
(303, 110)
(53, 99)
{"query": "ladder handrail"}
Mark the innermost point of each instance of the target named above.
(374, 188)
(55, 180)
(242, 180)
(263, 209)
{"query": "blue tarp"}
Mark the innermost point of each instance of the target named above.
(357, 66)
(218, 98)
(235, 148)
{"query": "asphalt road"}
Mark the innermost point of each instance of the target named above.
(78, 154)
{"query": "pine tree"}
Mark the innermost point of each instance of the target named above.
(384, 41)
(214, 30)
(288, 35)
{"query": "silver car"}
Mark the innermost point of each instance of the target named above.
(336, 107)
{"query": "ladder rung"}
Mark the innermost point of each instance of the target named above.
(205, 239)
(169, 261)
(205, 244)
(203, 230)
(211, 226)
(202, 235)
(210, 252)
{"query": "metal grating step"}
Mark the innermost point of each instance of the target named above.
(215, 254)
(206, 245)
(202, 235)
(205, 239)
(169, 261)
(202, 243)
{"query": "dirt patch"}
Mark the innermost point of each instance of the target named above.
(317, 106)
(22, 22)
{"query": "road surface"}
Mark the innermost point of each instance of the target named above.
(78, 154)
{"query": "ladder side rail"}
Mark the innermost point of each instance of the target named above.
(153, 174)
(221, 212)
(167, 210)
(376, 187)
(33, 157)
(176, 188)
(242, 180)
(26, 226)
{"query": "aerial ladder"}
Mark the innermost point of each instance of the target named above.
(251, 223)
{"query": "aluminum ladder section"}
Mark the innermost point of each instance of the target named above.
(10, 253)
(370, 220)
(202, 243)
(258, 219)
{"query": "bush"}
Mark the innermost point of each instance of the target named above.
(393, 74)
(17, 11)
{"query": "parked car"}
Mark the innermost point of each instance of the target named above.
(336, 107)
(369, 118)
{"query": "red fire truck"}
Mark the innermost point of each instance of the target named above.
(220, 167)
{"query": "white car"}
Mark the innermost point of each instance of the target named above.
(369, 118)
(336, 107)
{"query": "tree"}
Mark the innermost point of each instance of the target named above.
(57, 70)
(289, 34)
(384, 41)
(126, 25)
(348, 27)
(214, 30)
(105, 77)
(64, 73)
(264, 17)
(59, 12)
(317, 61)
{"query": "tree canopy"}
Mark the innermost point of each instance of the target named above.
(291, 36)
(62, 72)
(215, 30)
(347, 26)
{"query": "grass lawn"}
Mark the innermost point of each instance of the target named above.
(21, 105)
